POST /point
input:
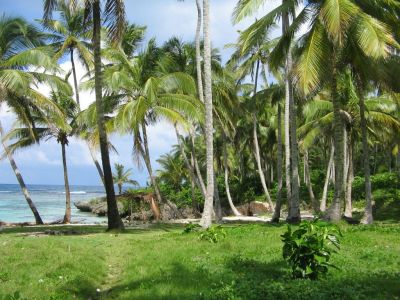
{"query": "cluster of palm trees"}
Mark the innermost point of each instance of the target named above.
(325, 92)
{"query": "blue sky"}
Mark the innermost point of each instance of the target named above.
(164, 18)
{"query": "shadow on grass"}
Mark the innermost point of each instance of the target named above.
(243, 278)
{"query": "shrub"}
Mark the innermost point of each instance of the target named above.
(213, 234)
(191, 227)
(308, 249)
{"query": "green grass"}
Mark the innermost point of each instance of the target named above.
(162, 263)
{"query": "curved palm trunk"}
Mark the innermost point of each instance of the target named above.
(256, 145)
(277, 212)
(114, 219)
(96, 162)
(119, 188)
(154, 183)
(206, 219)
(226, 173)
(195, 204)
(217, 202)
(67, 216)
(307, 179)
(334, 211)
(21, 182)
(368, 217)
(329, 172)
(348, 211)
(198, 52)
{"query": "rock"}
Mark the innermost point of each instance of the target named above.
(97, 206)
(254, 208)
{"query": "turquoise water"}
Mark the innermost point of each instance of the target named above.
(49, 200)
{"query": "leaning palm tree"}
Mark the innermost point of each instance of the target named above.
(21, 57)
(114, 15)
(50, 126)
(121, 176)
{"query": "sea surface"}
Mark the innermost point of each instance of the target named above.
(50, 202)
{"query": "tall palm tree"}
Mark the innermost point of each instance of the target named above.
(121, 176)
(114, 15)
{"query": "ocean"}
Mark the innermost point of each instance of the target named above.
(50, 202)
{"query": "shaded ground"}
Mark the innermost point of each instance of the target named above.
(161, 263)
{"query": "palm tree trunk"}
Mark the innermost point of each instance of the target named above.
(75, 78)
(288, 171)
(193, 178)
(217, 201)
(226, 173)
(67, 216)
(146, 157)
(294, 209)
(307, 178)
(96, 162)
(91, 150)
(119, 189)
(334, 211)
(206, 219)
(329, 172)
(21, 182)
(348, 211)
(195, 203)
(114, 219)
(368, 217)
(256, 145)
(198, 53)
(277, 212)
(196, 165)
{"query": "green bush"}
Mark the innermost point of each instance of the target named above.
(308, 249)
(213, 234)
(191, 227)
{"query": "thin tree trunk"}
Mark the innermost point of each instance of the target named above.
(119, 189)
(206, 219)
(21, 182)
(196, 164)
(154, 183)
(334, 211)
(329, 172)
(189, 167)
(288, 170)
(114, 219)
(198, 52)
(96, 162)
(348, 211)
(195, 204)
(314, 201)
(278, 206)
(91, 150)
(217, 201)
(256, 145)
(75, 78)
(294, 209)
(67, 216)
(368, 217)
(228, 193)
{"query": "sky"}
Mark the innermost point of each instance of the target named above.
(42, 164)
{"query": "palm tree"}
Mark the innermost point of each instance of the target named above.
(50, 126)
(20, 52)
(121, 176)
(115, 18)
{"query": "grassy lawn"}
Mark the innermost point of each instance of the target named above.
(162, 263)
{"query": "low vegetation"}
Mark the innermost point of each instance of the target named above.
(159, 262)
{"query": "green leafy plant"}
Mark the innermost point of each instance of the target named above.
(308, 249)
(191, 227)
(213, 234)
